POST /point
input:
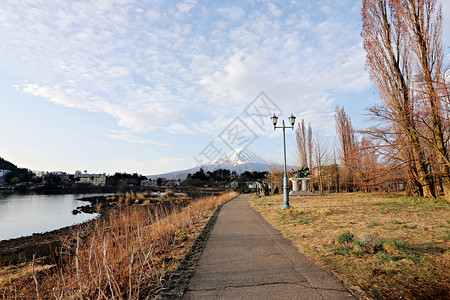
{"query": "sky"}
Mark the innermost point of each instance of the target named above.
(155, 86)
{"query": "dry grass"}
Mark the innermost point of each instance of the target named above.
(387, 246)
(127, 257)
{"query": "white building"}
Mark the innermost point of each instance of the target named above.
(94, 179)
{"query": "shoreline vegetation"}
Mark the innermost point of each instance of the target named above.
(129, 252)
(385, 246)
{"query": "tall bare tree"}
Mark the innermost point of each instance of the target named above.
(347, 143)
(388, 63)
(422, 21)
(300, 135)
(335, 170)
(310, 147)
(310, 155)
(321, 159)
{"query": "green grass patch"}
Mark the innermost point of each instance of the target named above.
(360, 243)
(383, 256)
(346, 237)
(358, 252)
(341, 250)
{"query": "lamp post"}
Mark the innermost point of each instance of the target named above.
(285, 180)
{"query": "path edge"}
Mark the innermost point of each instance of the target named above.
(177, 283)
(349, 287)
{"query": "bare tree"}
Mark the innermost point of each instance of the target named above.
(422, 21)
(347, 143)
(300, 135)
(336, 170)
(321, 159)
(389, 66)
(310, 154)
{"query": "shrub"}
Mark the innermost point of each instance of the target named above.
(169, 193)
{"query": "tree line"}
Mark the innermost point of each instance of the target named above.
(222, 177)
(407, 148)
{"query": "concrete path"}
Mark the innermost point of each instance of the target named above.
(245, 258)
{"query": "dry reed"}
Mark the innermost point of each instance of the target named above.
(127, 257)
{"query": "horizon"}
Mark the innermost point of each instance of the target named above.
(169, 172)
(152, 88)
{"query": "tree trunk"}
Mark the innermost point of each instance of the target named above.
(422, 176)
(446, 183)
(429, 55)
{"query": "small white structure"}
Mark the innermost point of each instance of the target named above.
(94, 179)
(304, 189)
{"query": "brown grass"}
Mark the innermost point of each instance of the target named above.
(127, 257)
(386, 246)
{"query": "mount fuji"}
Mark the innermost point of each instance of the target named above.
(239, 160)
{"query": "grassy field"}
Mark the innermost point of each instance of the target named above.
(129, 256)
(387, 246)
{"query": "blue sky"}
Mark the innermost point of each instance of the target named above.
(156, 86)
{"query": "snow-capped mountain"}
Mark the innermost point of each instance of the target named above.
(239, 160)
(238, 157)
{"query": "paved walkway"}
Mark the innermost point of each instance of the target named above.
(245, 258)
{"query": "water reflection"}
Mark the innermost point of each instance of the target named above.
(22, 215)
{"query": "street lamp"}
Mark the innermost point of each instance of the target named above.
(285, 180)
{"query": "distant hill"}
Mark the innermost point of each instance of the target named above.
(239, 160)
(6, 165)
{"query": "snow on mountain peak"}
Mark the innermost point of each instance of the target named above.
(239, 156)
(238, 160)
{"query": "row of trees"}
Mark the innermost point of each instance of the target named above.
(408, 146)
(222, 177)
(405, 58)
(354, 163)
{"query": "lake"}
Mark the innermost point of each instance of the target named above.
(22, 215)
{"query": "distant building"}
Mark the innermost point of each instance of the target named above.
(149, 182)
(63, 175)
(253, 184)
(2, 175)
(94, 179)
(172, 182)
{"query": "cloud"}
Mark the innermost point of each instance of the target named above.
(301, 63)
(136, 117)
(180, 68)
(233, 13)
(274, 10)
(136, 139)
(186, 5)
(66, 98)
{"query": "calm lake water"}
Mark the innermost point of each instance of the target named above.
(22, 215)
